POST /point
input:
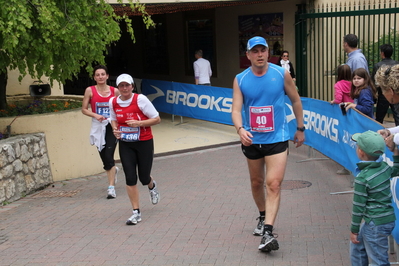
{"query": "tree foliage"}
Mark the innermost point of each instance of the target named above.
(55, 38)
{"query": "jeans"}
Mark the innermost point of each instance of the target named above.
(373, 245)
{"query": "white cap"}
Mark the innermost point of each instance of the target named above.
(124, 78)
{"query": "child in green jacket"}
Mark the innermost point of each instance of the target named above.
(372, 201)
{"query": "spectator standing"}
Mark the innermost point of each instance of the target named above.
(386, 51)
(363, 92)
(132, 116)
(97, 97)
(342, 87)
(372, 202)
(387, 78)
(285, 63)
(356, 58)
(202, 70)
(263, 129)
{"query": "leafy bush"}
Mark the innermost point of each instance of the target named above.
(38, 107)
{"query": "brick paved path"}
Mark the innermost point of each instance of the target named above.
(205, 217)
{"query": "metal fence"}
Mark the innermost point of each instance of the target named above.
(319, 40)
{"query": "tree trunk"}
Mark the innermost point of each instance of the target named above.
(3, 85)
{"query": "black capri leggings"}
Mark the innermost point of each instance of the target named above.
(107, 153)
(137, 155)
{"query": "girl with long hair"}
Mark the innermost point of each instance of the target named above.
(363, 92)
(343, 85)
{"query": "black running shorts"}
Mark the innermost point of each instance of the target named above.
(257, 151)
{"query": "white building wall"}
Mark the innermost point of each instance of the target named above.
(14, 87)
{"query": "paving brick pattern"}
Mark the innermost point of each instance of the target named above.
(205, 217)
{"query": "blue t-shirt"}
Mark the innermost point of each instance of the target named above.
(264, 105)
(357, 60)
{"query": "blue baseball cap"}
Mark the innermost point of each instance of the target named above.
(257, 40)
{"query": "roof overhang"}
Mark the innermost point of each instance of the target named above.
(173, 1)
(154, 7)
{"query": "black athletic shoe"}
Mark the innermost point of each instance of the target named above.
(260, 228)
(268, 242)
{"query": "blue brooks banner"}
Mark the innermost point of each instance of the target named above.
(330, 132)
(327, 130)
(196, 101)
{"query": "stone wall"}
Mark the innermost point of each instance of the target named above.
(24, 166)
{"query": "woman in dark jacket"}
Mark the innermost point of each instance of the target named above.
(285, 63)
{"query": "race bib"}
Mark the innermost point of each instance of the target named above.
(103, 109)
(130, 134)
(261, 118)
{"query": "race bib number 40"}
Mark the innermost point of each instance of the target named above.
(261, 118)
(130, 134)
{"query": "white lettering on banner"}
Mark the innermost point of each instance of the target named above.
(181, 97)
(170, 97)
(347, 139)
(220, 104)
(321, 124)
(192, 100)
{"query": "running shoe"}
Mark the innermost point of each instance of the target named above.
(260, 228)
(111, 192)
(134, 219)
(154, 194)
(268, 242)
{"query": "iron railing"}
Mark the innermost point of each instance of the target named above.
(319, 40)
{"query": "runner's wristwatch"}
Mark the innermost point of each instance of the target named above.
(302, 129)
